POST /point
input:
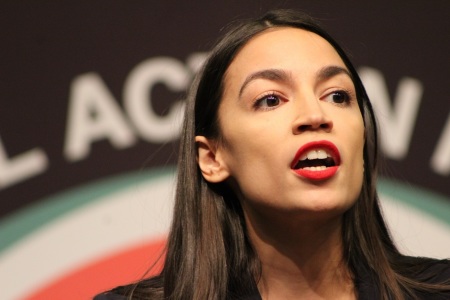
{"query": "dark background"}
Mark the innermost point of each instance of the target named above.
(46, 44)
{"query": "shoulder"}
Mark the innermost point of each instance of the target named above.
(440, 268)
(428, 270)
(433, 274)
(151, 288)
(109, 296)
(117, 293)
(430, 278)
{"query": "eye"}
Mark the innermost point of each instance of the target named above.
(338, 97)
(267, 102)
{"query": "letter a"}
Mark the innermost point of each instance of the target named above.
(93, 115)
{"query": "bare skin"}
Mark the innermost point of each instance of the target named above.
(300, 261)
(285, 89)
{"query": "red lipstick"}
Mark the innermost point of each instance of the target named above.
(317, 160)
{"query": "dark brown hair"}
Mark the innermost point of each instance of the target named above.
(209, 255)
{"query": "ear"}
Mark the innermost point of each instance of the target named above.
(211, 163)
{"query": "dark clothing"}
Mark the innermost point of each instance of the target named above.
(110, 296)
(421, 269)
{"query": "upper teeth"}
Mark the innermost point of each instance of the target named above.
(315, 154)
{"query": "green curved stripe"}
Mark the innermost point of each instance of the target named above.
(17, 225)
(432, 203)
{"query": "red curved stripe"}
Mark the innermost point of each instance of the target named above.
(117, 269)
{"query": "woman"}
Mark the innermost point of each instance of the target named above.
(276, 190)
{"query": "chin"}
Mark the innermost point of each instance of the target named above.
(327, 208)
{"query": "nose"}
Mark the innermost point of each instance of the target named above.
(311, 117)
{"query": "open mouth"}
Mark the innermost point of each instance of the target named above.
(316, 160)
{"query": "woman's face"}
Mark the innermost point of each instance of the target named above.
(292, 131)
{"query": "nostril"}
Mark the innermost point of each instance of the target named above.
(302, 128)
(323, 126)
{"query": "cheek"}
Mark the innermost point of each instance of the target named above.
(357, 154)
(248, 143)
(248, 155)
(354, 139)
(356, 130)
(252, 161)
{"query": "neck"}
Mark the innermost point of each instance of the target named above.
(300, 259)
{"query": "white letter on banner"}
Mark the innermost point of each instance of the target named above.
(94, 115)
(440, 161)
(396, 123)
(138, 102)
(196, 60)
(22, 166)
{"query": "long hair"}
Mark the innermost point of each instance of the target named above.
(208, 254)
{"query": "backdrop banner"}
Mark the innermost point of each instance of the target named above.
(91, 101)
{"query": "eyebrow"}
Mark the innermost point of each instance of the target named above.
(330, 71)
(269, 74)
(282, 76)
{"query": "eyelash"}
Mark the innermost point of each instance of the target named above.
(258, 103)
(348, 97)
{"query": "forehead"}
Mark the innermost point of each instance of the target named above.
(288, 48)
